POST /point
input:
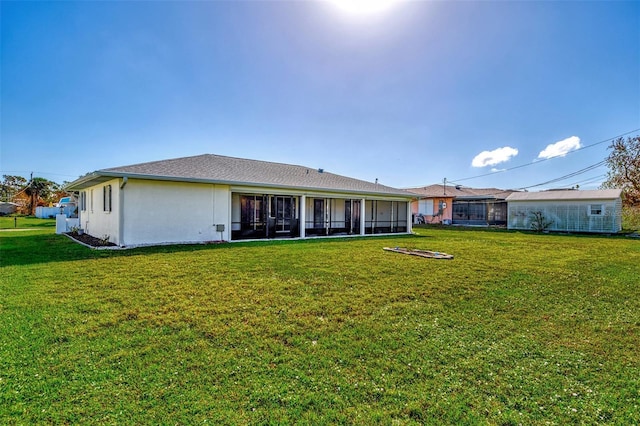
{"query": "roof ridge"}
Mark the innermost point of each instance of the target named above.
(207, 155)
(151, 162)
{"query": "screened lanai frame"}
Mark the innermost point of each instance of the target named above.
(265, 216)
(343, 216)
(327, 216)
(479, 212)
(386, 217)
(592, 216)
(268, 216)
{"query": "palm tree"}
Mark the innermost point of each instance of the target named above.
(37, 189)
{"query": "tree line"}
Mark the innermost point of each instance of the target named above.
(30, 193)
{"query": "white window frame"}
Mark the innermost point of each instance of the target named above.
(106, 198)
(596, 210)
(425, 207)
(83, 201)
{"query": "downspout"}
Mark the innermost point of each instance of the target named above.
(125, 179)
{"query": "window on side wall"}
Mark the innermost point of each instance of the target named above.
(595, 209)
(106, 198)
(425, 207)
(83, 201)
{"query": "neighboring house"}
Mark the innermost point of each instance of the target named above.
(212, 198)
(460, 205)
(568, 210)
(481, 206)
(23, 201)
(433, 204)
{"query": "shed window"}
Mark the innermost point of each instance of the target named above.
(595, 209)
(106, 197)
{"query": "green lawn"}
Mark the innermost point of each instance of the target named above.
(518, 329)
(25, 222)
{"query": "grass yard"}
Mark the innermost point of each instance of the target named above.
(518, 329)
(25, 222)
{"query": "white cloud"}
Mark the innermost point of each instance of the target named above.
(560, 149)
(491, 158)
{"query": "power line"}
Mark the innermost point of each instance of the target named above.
(561, 178)
(40, 173)
(544, 159)
(568, 176)
(588, 181)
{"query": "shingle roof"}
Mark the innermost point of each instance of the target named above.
(459, 192)
(566, 195)
(230, 170)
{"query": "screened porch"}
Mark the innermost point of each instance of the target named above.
(479, 212)
(266, 216)
(256, 216)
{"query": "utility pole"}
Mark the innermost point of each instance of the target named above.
(33, 196)
(444, 186)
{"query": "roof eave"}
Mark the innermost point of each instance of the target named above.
(90, 179)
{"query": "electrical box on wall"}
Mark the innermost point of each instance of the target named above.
(220, 227)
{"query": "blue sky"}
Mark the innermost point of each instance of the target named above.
(411, 95)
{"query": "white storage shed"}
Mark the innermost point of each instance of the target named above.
(597, 211)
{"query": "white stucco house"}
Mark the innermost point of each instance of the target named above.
(217, 198)
(597, 211)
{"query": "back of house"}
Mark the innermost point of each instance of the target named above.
(217, 198)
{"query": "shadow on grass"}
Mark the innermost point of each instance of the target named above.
(21, 248)
(25, 248)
